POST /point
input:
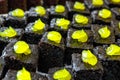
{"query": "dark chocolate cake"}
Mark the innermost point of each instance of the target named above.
(85, 71)
(14, 74)
(9, 34)
(110, 61)
(52, 49)
(73, 45)
(34, 31)
(28, 57)
(37, 12)
(16, 19)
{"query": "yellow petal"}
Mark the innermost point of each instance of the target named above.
(40, 10)
(21, 47)
(23, 74)
(105, 13)
(54, 36)
(80, 35)
(10, 32)
(38, 26)
(79, 6)
(63, 23)
(18, 13)
(97, 2)
(89, 57)
(113, 49)
(62, 75)
(104, 32)
(59, 9)
(119, 25)
(81, 19)
(116, 1)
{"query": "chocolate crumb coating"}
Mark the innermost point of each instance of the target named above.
(4, 41)
(2, 20)
(98, 20)
(11, 75)
(97, 38)
(32, 37)
(73, 46)
(19, 60)
(85, 71)
(110, 64)
(15, 22)
(53, 26)
(54, 14)
(51, 54)
(116, 11)
(32, 15)
(72, 11)
(116, 27)
(81, 26)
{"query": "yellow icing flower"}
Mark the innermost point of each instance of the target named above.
(21, 47)
(113, 49)
(54, 36)
(104, 32)
(97, 2)
(119, 25)
(23, 74)
(105, 13)
(79, 6)
(116, 1)
(10, 32)
(18, 13)
(80, 35)
(62, 75)
(40, 10)
(63, 23)
(59, 9)
(89, 57)
(38, 26)
(81, 19)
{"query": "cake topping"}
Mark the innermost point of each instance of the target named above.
(105, 13)
(104, 32)
(80, 35)
(40, 10)
(89, 58)
(21, 47)
(115, 1)
(18, 13)
(23, 74)
(81, 19)
(59, 9)
(97, 2)
(113, 49)
(54, 36)
(79, 6)
(10, 32)
(63, 23)
(38, 26)
(119, 25)
(62, 75)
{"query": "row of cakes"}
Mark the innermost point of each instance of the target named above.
(89, 42)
